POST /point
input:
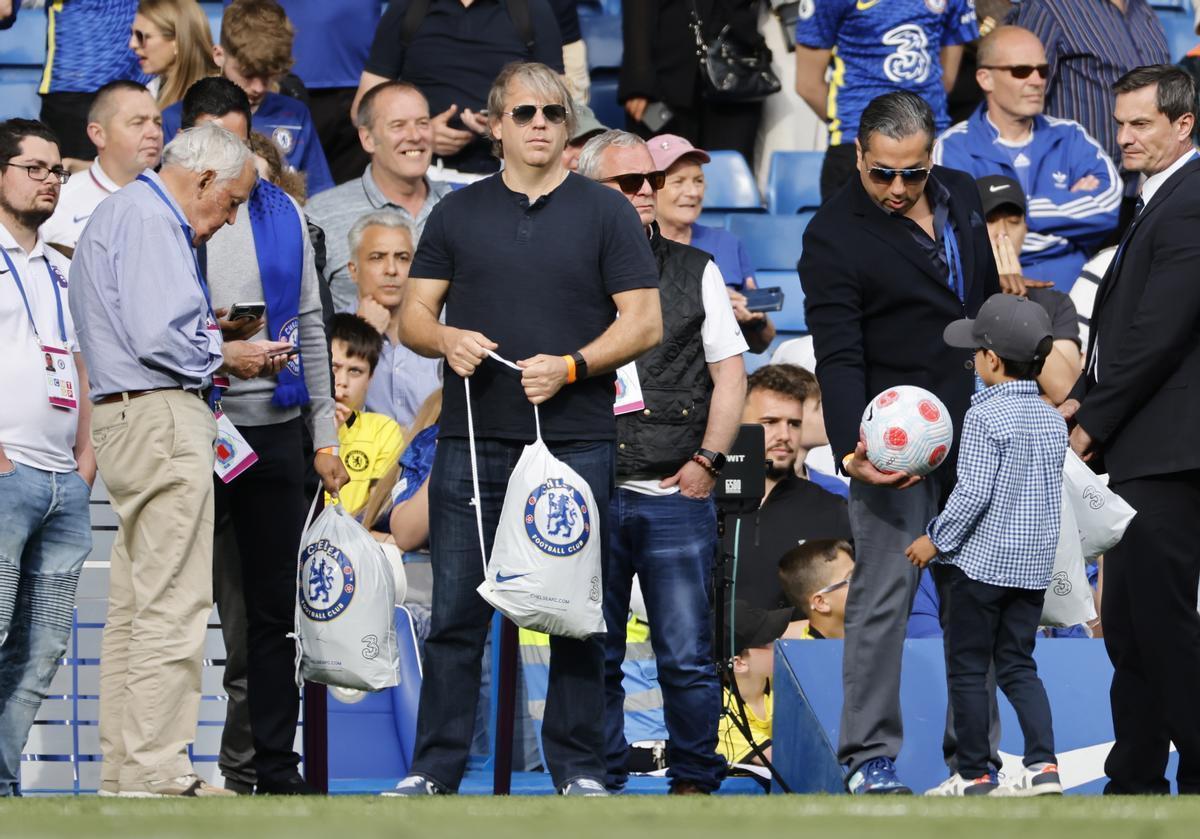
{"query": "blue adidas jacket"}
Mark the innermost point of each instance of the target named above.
(1064, 226)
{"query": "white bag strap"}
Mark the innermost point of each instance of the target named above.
(476, 502)
(295, 633)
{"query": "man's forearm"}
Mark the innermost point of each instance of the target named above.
(85, 455)
(638, 329)
(728, 397)
(420, 329)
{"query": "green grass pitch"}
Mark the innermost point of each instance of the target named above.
(787, 817)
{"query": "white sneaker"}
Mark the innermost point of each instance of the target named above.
(414, 786)
(957, 785)
(1039, 779)
(185, 786)
(586, 787)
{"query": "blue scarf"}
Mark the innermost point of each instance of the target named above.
(280, 250)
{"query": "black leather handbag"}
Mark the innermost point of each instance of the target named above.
(732, 71)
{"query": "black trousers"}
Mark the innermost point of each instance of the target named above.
(66, 114)
(840, 164)
(711, 126)
(330, 109)
(1152, 634)
(267, 506)
(993, 625)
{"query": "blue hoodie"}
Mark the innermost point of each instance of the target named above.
(1064, 226)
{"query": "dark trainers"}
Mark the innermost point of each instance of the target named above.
(289, 785)
(414, 786)
(584, 787)
(876, 777)
(1039, 779)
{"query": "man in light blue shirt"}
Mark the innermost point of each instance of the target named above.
(153, 345)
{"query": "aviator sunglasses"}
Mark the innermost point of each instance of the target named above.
(524, 114)
(884, 176)
(1021, 71)
(631, 183)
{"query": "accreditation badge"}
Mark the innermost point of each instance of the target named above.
(61, 388)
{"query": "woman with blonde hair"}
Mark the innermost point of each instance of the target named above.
(173, 43)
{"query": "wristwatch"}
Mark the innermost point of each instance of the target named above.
(715, 458)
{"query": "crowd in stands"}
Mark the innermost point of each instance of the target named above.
(334, 165)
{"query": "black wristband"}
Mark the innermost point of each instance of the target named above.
(581, 370)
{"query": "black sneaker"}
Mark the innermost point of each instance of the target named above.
(292, 785)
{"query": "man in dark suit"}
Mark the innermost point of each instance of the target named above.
(893, 257)
(1140, 402)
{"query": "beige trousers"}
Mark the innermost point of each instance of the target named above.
(155, 454)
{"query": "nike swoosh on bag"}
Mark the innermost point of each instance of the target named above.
(504, 578)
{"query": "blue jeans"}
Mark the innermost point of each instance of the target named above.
(572, 727)
(45, 535)
(669, 542)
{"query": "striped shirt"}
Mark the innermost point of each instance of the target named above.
(1001, 522)
(1090, 44)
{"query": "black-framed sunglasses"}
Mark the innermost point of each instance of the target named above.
(884, 176)
(140, 37)
(631, 182)
(40, 173)
(524, 114)
(1021, 71)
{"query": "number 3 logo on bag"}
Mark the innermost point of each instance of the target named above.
(557, 518)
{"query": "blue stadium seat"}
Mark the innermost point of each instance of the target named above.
(773, 242)
(1181, 35)
(25, 43)
(18, 92)
(605, 44)
(789, 321)
(604, 99)
(794, 181)
(714, 218)
(214, 11)
(729, 183)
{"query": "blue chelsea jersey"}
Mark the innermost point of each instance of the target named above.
(87, 45)
(880, 46)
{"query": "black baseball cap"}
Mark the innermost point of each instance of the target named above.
(1012, 327)
(996, 191)
(754, 627)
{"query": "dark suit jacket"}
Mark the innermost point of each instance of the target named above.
(877, 309)
(1146, 402)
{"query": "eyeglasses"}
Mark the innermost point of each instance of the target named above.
(40, 173)
(524, 114)
(884, 176)
(631, 182)
(1021, 71)
(832, 587)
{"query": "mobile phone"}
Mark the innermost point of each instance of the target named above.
(247, 311)
(288, 353)
(657, 115)
(764, 299)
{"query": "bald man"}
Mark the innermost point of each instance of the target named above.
(1072, 189)
(125, 126)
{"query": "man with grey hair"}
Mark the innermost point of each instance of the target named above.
(381, 252)
(664, 521)
(155, 357)
(892, 258)
(534, 263)
(395, 129)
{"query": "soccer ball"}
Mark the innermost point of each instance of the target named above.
(906, 429)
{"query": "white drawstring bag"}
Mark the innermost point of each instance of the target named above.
(544, 571)
(345, 605)
(1101, 514)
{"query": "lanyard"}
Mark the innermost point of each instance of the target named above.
(953, 261)
(62, 324)
(187, 235)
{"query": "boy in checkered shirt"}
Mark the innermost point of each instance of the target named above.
(994, 543)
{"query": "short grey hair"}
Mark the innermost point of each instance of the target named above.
(208, 147)
(898, 115)
(593, 149)
(379, 218)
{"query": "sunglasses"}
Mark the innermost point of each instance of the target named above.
(884, 176)
(140, 37)
(524, 114)
(1021, 71)
(832, 587)
(631, 183)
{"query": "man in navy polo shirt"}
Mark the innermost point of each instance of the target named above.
(534, 263)
(452, 53)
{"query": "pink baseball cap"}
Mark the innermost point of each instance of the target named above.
(666, 149)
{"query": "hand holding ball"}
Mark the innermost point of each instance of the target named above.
(906, 429)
